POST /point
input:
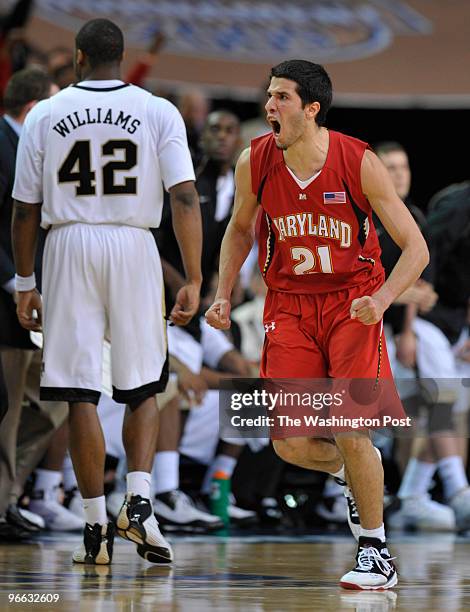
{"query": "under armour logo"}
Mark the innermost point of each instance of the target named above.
(271, 326)
(302, 196)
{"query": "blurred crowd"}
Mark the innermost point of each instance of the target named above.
(426, 478)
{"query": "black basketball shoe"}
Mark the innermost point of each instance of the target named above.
(97, 547)
(137, 523)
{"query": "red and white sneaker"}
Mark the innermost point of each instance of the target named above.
(374, 569)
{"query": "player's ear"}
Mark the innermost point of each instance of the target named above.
(79, 57)
(312, 109)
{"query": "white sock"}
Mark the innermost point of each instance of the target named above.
(47, 480)
(339, 474)
(165, 472)
(95, 510)
(452, 474)
(221, 463)
(138, 483)
(378, 533)
(68, 473)
(417, 479)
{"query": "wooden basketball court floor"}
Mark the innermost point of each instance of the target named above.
(235, 574)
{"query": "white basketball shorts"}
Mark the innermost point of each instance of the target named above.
(102, 281)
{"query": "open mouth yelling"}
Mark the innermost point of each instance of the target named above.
(275, 126)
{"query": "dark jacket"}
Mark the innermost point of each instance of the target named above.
(11, 332)
(394, 315)
(449, 231)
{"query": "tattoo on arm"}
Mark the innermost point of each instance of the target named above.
(187, 199)
(23, 212)
(184, 194)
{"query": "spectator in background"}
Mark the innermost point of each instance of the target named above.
(25, 432)
(423, 354)
(249, 318)
(449, 233)
(395, 160)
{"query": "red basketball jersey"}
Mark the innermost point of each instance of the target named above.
(320, 238)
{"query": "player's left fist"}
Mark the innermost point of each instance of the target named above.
(367, 310)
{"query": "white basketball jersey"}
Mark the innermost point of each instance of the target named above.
(98, 152)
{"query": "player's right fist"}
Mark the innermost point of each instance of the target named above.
(218, 315)
(29, 309)
(367, 309)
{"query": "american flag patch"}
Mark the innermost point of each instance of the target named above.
(334, 197)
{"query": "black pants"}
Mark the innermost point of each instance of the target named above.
(3, 395)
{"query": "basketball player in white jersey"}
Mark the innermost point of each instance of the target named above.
(90, 167)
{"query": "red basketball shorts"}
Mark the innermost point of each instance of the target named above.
(312, 336)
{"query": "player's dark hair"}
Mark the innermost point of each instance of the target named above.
(25, 86)
(101, 41)
(313, 83)
(388, 146)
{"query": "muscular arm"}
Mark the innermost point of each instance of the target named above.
(237, 242)
(187, 226)
(186, 215)
(24, 236)
(398, 222)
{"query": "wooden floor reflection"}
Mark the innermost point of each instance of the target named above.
(253, 574)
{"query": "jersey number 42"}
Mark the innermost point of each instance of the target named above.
(76, 168)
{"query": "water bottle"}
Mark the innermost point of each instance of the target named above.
(220, 496)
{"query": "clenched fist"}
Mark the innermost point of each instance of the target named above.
(367, 309)
(218, 315)
(29, 309)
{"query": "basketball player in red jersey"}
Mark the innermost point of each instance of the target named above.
(320, 258)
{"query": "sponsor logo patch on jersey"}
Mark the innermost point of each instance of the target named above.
(334, 197)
